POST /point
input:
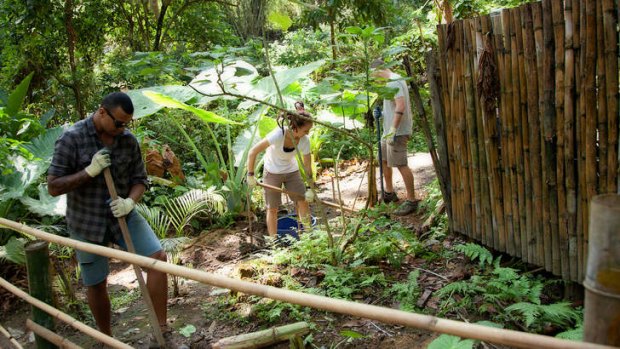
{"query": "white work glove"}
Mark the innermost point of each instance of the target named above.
(100, 160)
(121, 207)
(309, 195)
(251, 181)
(391, 136)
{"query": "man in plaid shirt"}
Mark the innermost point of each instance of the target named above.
(80, 156)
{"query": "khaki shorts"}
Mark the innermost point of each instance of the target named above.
(292, 182)
(395, 155)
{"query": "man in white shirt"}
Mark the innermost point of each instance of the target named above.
(397, 129)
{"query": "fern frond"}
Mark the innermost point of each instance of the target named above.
(182, 209)
(573, 335)
(528, 312)
(560, 313)
(475, 251)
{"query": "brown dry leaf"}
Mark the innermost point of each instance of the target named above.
(154, 163)
(173, 165)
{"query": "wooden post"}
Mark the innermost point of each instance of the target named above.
(602, 282)
(40, 284)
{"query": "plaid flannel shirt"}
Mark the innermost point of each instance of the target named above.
(88, 209)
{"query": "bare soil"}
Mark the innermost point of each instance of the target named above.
(221, 252)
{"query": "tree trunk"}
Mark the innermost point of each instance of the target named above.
(160, 25)
(71, 38)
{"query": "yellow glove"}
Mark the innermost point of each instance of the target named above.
(309, 195)
(391, 136)
(251, 181)
(100, 160)
(121, 207)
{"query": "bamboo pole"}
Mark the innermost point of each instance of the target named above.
(601, 94)
(602, 282)
(59, 341)
(10, 338)
(392, 316)
(130, 248)
(514, 241)
(263, 338)
(523, 166)
(569, 140)
(105, 339)
(486, 201)
(434, 78)
(610, 22)
(544, 239)
(40, 286)
(535, 242)
(562, 233)
(491, 138)
(519, 196)
(590, 100)
(461, 127)
(552, 245)
(472, 133)
(580, 140)
(505, 190)
(327, 203)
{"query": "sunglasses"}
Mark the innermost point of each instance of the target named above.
(117, 123)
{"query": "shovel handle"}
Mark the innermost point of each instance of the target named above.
(327, 203)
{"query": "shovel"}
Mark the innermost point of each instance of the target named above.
(130, 248)
(327, 203)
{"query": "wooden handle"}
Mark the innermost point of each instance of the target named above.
(122, 222)
(327, 203)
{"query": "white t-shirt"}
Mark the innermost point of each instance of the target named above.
(278, 161)
(406, 123)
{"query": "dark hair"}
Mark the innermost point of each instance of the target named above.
(299, 105)
(118, 99)
(295, 121)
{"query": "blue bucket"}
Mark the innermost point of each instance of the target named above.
(287, 225)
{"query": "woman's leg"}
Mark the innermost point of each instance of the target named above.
(272, 221)
(303, 211)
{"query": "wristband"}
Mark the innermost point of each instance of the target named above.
(399, 112)
(250, 173)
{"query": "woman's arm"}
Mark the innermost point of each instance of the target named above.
(257, 149)
(308, 167)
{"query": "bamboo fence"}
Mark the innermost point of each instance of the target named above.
(529, 97)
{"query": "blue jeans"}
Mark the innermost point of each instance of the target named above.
(95, 268)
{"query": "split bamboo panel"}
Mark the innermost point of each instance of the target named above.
(523, 172)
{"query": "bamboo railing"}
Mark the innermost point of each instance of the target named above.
(511, 338)
(526, 158)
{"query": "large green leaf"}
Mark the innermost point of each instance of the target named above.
(42, 147)
(14, 251)
(280, 21)
(16, 98)
(352, 103)
(248, 137)
(46, 205)
(144, 106)
(206, 82)
(204, 115)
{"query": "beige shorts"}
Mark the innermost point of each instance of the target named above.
(395, 155)
(292, 182)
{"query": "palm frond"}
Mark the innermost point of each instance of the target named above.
(182, 209)
(158, 221)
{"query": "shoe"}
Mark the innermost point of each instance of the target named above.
(389, 197)
(406, 208)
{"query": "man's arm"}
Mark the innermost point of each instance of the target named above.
(136, 191)
(62, 185)
(399, 110)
